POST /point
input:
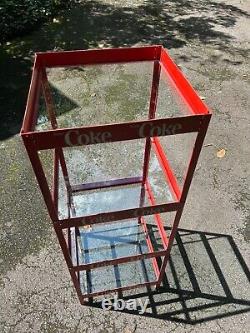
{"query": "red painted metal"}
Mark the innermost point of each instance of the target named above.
(150, 246)
(149, 129)
(106, 184)
(118, 215)
(170, 177)
(157, 217)
(121, 260)
(82, 136)
(189, 175)
(185, 90)
(104, 56)
(32, 102)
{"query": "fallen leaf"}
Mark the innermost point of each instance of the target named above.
(87, 227)
(221, 153)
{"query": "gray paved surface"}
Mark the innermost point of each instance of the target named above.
(207, 289)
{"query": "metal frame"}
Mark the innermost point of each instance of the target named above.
(150, 129)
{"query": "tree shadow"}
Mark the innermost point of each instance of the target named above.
(93, 24)
(206, 279)
(62, 104)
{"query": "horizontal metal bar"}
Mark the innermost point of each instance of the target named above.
(117, 290)
(166, 168)
(107, 183)
(183, 87)
(101, 56)
(80, 136)
(118, 261)
(117, 215)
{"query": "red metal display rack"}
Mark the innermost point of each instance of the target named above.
(57, 139)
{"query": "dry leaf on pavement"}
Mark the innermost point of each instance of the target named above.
(221, 153)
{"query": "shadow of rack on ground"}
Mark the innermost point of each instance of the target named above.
(206, 279)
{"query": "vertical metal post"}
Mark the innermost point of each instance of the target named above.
(151, 115)
(50, 107)
(58, 154)
(42, 181)
(52, 116)
(190, 172)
